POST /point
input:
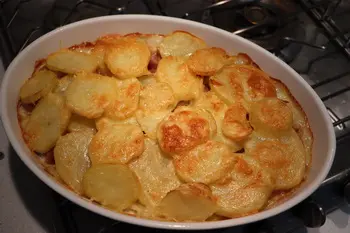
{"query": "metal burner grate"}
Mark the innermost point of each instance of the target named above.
(23, 21)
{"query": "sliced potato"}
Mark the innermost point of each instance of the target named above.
(106, 122)
(117, 143)
(79, 123)
(188, 202)
(283, 158)
(38, 86)
(205, 163)
(236, 125)
(207, 62)
(183, 130)
(156, 97)
(63, 84)
(71, 158)
(180, 43)
(113, 185)
(227, 85)
(212, 103)
(174, 71)
(271, 116)
(47, 122)
(89, 94)
(128, 58)
(245, 190)
(125, 103)
(71, 62)
(256, 83)
(156, 174)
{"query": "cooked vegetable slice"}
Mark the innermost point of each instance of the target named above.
(47, 122)
(117, 143)
(245, 190)
(180, 43)
(128, 58)
(236, 125)
(89, 94)
(189, 202)
(126, 100)
(71, 158)
(71, 62)
(156, 174)
(38, 86)
(79, 123)
(174, 71)
(205, 163)
(113, 185)
(271, 116)
(283, 158)
(208, 61)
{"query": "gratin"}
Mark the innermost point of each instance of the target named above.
(165, 127)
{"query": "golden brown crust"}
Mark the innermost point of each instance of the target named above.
(205, 163)
(128, 58)
(236, 125)
(199, 126)
(206, 62)
(182, 131)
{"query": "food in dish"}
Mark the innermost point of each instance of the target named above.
(165, 127)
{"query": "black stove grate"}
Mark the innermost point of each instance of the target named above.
(23, 21)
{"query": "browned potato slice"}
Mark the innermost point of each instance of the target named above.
(271, 116)
(284, 159)
(71, 158)
(205, 163)
(180, 43)
(113, 185)
(128, 58)
(156, 174)
(89, 94)
(257, 84)
(245, 190)
(174, 71)
(207, 62)
(126, 99)
(47, 122)
(79, 123)
(236, 125)
(236, 83)
(38, 86)
(212, 103)
(189, 202)
(117, 143)
(184, 129)
(71, 62)
(227, 85)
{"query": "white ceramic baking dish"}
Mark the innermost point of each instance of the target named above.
(88, 30)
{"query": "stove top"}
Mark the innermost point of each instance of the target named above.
(312, 36)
